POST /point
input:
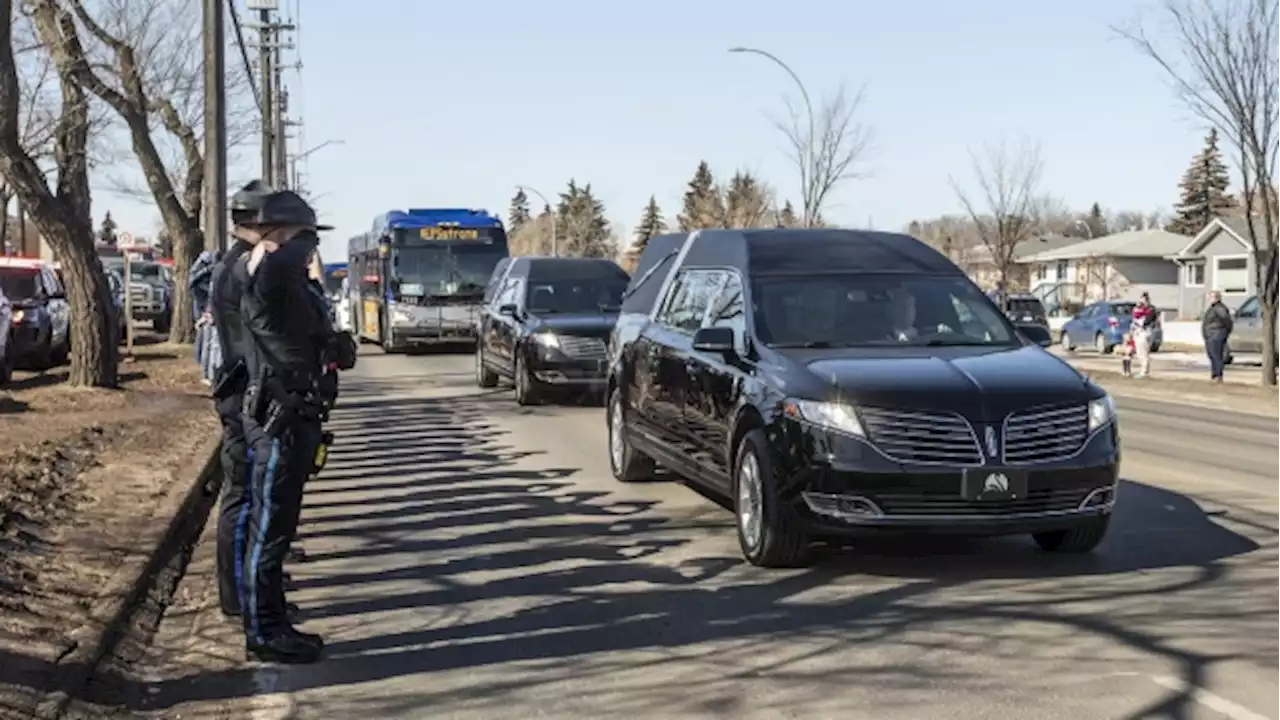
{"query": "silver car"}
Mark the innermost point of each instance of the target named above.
(1246, 337)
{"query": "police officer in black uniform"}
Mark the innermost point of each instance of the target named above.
(226, 289)
(283, 408)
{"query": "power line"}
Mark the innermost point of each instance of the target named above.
(244, 54)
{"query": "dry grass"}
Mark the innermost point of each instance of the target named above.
(81, 470)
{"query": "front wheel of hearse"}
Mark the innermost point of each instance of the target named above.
(627, 463)
(769, 533)
(526, 391)
(1078, 540)
(485, 377)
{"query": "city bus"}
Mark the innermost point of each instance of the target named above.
(418, 276)
(335, 288)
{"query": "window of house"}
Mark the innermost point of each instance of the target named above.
(1042, 272)
(1060, 271)
(1195, 274)
(1231, 274)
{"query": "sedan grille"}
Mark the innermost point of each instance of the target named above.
(1045, 435)
(922, 437)
(582, 348)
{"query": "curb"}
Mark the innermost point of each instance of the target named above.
(125, 590)
(1194, 393)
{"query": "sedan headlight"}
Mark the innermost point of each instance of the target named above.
(1101, 412)
(826, 415)
(547, 340)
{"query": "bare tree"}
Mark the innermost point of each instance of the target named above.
(1010, 207)
(60, 214)
(828, 147)
(137, 57)
(1222, 61)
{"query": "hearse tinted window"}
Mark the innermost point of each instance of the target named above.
(727, 310)
(646, 283)
(688, 300)
(859, 309)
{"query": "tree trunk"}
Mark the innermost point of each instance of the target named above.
(1268, 342)
(182, 329)
(94, 335)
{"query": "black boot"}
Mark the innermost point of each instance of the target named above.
(287, 645)
(291, 608)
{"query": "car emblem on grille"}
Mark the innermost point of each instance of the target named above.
(993, 446)
(996, 482)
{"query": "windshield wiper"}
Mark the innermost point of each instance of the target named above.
(605, 307)
(810, 345)
(953, 343)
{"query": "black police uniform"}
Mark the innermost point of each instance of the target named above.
(226, 288)
(282, 412)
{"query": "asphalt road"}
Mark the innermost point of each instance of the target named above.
(475, 559)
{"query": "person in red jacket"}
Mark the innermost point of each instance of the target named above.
(1144, 320)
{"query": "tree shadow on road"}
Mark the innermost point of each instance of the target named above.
(501, 562)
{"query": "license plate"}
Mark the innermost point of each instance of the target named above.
(993, 484)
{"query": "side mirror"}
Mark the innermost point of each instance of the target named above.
(1036, 334)
(714, 340)
(509, 310)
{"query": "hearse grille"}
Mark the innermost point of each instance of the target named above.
(1045, 435)
(582, 348)
(922, 437)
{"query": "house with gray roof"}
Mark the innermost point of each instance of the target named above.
(1219, 257)
(1118, 266)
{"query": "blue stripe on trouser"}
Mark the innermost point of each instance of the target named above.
(242, 525)
(268, 479)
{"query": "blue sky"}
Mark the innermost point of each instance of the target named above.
(452, 104)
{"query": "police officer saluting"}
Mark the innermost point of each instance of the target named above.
(289, 339)
(226, 288)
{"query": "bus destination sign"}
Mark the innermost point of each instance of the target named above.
(449, 233)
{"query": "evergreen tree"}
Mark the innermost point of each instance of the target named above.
(107, 232)
(747, 202)
(787, 216)
(1097, 222)
(1204, 190)
(518, 215)
(703, 207)
(585, 229)
(651, 223)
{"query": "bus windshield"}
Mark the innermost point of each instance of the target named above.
(445, 268)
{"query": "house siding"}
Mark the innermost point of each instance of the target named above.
(1192, 299)
(1155, 276)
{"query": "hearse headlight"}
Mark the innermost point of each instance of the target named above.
(1101, 412)
(831, 416)
(547, 340)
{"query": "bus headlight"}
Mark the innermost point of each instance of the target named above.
(400, 316)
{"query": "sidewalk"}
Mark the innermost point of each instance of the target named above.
(1182, 378)
(1246, 370)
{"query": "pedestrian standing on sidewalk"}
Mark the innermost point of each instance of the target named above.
(1143, 320)
(1215, 326)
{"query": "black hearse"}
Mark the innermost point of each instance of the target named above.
(546, 324)
(836, 382)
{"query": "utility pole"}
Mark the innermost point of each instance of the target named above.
(266, 44)
(282, 134)
(215, 128)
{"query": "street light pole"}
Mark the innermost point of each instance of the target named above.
(807, 171)
(555, 249)
(293, 162)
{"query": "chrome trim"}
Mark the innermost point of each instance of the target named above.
(925, 521)
(1088, 438)
(828, 504)
(1109, 503)
(926, 415)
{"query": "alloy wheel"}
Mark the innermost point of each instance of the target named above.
(750, 502)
